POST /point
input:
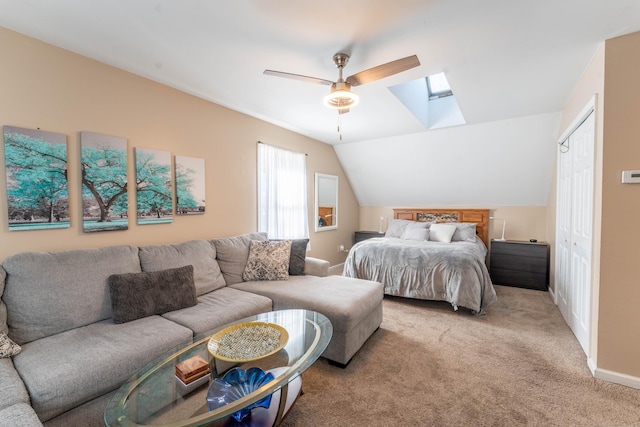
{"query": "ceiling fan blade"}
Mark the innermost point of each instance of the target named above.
(384, 70)
(298, 77)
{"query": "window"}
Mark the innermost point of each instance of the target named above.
(282, 193)
(438, 86)
(431, 100)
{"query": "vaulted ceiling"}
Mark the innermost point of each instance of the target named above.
(511, 65)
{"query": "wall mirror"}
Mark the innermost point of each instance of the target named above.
(326, 202)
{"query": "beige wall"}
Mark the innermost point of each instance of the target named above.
(45, 87)
(619, 318)
(523, 222)
(613, 77)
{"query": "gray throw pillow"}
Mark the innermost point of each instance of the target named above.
(397, 227)
(298, 256)
(465, 232)
(268, 261)
(137, 295)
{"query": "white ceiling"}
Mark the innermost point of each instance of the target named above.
(512, 65)
(503, 59)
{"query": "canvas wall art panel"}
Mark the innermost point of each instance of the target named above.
(37, 179)
(105, 201)
(154, 195)
(189, 185)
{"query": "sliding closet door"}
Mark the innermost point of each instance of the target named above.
(576, 164)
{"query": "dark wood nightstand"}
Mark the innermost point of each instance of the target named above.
(364, 235)
(521, 264)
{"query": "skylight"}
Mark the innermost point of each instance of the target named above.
(438, 86)
(431, 100)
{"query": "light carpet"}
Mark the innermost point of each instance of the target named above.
(428, 365)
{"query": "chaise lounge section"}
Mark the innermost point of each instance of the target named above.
(63, 311)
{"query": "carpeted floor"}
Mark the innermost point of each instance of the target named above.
(428, 365)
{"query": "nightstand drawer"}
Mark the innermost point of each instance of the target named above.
(521, 264)
(364, 235)
(517, 278)
(522, 249)
(531, 264)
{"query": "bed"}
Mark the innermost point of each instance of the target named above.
(415, 260)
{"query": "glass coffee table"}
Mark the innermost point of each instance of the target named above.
(155, 396)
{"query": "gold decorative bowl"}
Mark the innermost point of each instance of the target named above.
(247, 341)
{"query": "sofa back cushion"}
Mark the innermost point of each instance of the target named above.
(232, 254)
(3, 307)
(199, 253)
(51, 292)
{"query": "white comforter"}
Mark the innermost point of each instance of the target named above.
(455, 272)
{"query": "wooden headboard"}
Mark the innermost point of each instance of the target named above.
(479, 216)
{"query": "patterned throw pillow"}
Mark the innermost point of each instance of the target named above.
(268, 261)
(298, 256)
(7, 347)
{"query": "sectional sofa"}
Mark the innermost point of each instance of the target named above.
(86, 320)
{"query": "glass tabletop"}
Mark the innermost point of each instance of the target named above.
(155, 396)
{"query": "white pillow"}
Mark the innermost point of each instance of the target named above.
(441, 232)
(414, 233)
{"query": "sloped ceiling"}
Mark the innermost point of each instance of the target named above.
(503, 163)
(505, 60)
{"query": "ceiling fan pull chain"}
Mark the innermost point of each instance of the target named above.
(340, 126)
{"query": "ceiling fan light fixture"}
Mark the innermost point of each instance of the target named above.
(341, 96)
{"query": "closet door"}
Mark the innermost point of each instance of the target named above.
(582, 229)
(563, 230)
(574, 227)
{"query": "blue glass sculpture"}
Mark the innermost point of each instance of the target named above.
(235, 384)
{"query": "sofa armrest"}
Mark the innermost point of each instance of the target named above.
(316, 267)
(12, 389)
(19, 415)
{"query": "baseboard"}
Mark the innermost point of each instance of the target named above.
(604, 374)
(592, 366)
(336, 270)
(614, 377)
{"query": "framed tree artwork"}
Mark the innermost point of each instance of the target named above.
(154, 196)
(37, 179)
(104, 182)
(189, 185)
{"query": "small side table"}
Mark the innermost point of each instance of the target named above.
(519, 263)
(364, 235)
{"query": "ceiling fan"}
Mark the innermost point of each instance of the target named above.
(341, 97)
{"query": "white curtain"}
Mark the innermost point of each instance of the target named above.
(282, 193)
